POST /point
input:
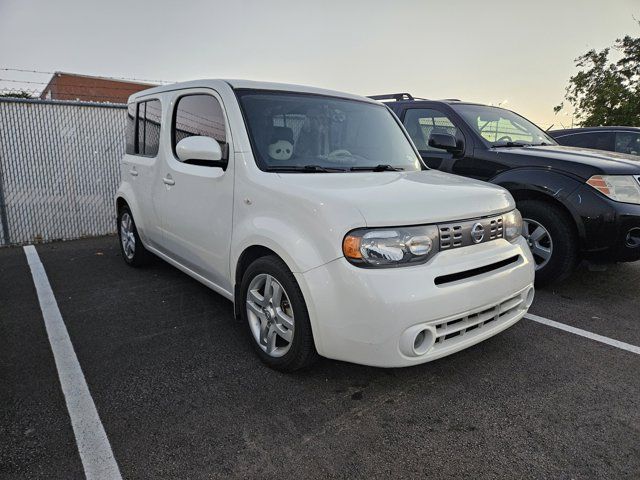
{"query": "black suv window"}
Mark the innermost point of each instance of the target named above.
(628, 142)
(198, 114)
(422, 122)
(143, 128)
(596, 140)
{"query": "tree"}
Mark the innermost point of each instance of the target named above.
(605, 92)
(17, 94)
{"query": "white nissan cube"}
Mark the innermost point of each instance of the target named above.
(312, 211)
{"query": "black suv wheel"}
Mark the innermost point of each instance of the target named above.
(551, 237)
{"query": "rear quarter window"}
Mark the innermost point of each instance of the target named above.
(143, 128)
(131, 129)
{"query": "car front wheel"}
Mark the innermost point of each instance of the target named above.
(275, 313)
(551, 237)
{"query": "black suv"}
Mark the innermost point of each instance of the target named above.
(576, 203)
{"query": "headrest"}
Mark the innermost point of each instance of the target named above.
(281, 133)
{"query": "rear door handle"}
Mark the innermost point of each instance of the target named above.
(168, 180)
(133, 172)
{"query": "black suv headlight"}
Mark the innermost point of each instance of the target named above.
(621, 188)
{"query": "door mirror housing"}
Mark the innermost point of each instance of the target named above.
(200, 150)
(447, 142)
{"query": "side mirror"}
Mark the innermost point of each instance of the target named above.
(200, 150)
(447, 142)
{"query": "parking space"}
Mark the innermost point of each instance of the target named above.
(180, 393)
(604, 301)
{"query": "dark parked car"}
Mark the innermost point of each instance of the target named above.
(576, 203)
(614, 139)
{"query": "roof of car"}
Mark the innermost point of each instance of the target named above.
(249, 84)
(591, 129)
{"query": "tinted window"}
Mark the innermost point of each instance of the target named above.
(152, 128)
(140, 128)
(422, 122)
(595, 140)
(628, 142)
(201, 115)
(131, 129)
(143, 128)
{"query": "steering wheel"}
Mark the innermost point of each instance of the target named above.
(505, 138)
(339, 156)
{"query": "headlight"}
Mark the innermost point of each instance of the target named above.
(390, 247)
(621, 188)
(512, 224)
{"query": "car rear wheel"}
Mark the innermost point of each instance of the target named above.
(131, 247)
(551, 237)
(273, 308)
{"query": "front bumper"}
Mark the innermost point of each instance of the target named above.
(609, 229)
(373, 316)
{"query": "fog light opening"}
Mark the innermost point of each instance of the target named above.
(529, 299)
(633, 238)
(423, 341)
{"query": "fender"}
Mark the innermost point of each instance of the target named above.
(288, 243)
(286, 240)
(543, 182)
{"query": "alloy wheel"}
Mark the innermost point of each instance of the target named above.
(270, 315)
(539, 240)
(127, 236)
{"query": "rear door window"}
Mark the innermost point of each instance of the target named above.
(131, 129)
(143, 128)
(152, 128)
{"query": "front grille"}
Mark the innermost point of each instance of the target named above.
(455, 330)
(459, 234)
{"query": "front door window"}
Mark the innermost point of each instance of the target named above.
(420, 124)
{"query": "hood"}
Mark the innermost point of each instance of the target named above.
(578, 161)
(403, 198)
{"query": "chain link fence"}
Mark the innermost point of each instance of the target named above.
(59, 169)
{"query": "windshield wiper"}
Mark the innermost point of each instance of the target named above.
(303, 169)
(511, 144)
(376, 168)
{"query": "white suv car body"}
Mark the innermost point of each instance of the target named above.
(247, 214)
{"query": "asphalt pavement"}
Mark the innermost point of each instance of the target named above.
(181, 395)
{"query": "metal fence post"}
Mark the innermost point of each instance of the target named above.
(3, 211)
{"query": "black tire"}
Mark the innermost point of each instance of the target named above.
(561, 228)
(302, 351)
(141, 256)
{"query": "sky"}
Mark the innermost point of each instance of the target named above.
(514, 53)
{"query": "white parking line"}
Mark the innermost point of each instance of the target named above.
(583, 333)
(93, 445)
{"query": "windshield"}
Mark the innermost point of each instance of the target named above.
(500, 127)
(312, 133)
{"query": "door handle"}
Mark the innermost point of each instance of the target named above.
(133, 172)
(168, 180)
